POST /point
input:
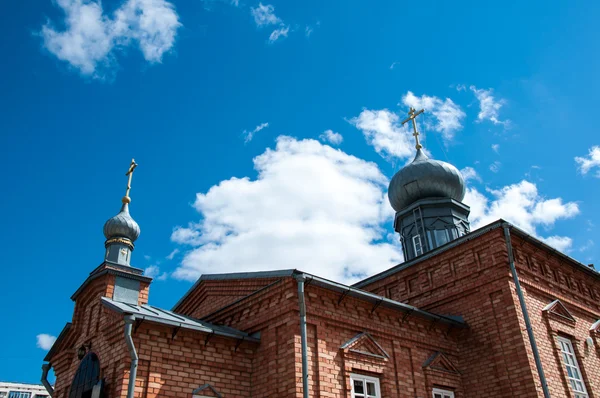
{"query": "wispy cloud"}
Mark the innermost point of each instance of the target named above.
(264, 15)
(45, 341)
(489, 106)
(331, 137)
(153, 272)
(589, 162)
(172, 254)
(496, 147)
(495, 167)
(469, 174)
(248, 135)
(383, 131)
(89, 41)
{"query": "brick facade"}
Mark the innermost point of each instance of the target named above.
(409, 353)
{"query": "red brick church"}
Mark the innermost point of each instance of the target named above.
(492, 312)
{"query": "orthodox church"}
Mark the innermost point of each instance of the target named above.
(492, 312)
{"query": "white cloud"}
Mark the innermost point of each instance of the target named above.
(590, 161)
(489, 107)
(265, 15)
(278, 33)
(447, 114)
(495, 167)
(469, 174)
(311, 207)
(90, 37)
(153, 272)
(308, 30)
(383, 131)
(495, 147)
(45, 341)
(331, 137)
(587, 245)
(248, 135)
(172, 254)
(393, 65)
(521, 205)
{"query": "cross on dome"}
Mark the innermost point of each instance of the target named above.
(412, 115)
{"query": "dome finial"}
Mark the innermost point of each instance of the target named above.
(132, 166)
(412, 115)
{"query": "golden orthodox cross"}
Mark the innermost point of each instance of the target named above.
(129, 173)
(412, 115)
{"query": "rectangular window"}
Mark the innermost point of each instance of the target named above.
(19, 394)
(417, 245)
(573, 371)
(439, 393)
(364, 386)
(441, 237)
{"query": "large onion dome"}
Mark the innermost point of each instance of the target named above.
(122, 225)
(425, 178)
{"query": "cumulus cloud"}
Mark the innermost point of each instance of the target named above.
(331, 137)
(311, 207)
(264, 15)
(446, 114)
(89, 41)
(592, 160)
(383, 131)
(489, 106)
(248, 135)
(522, 205)
(45, 341)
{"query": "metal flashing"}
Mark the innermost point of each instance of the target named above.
(164, 317)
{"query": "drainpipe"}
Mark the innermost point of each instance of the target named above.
(45, 369)
(129, 319)
(513, 270)
(301, 278)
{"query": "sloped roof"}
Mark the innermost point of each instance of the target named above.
(165, 317)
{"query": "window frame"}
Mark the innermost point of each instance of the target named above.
(442, 392)
(19, 394)
(568, 367)
(414, 239)
(364, 379)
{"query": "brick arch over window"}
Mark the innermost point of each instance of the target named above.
(86, 377)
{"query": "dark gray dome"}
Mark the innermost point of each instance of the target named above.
(425, 178)
(122, 226)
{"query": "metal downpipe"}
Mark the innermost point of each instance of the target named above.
(302, 304)
(129, 319)
(513, 270)
(45, 369)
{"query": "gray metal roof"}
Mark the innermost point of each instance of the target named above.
(157, 315)
(425, 178)
(122, 225)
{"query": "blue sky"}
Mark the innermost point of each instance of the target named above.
(266, 134)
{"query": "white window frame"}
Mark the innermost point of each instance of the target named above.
(571, 366)
(442, 393)
(420, 243)
(365, 379)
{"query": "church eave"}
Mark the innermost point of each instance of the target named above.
(97, 274)
(57, 342)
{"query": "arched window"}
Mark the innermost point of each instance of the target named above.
(86, 377)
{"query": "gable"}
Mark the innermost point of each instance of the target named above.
(439, 361)
(364, 344)
(558, 309)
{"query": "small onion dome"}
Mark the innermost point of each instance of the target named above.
(425, 178)
(122, 225)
